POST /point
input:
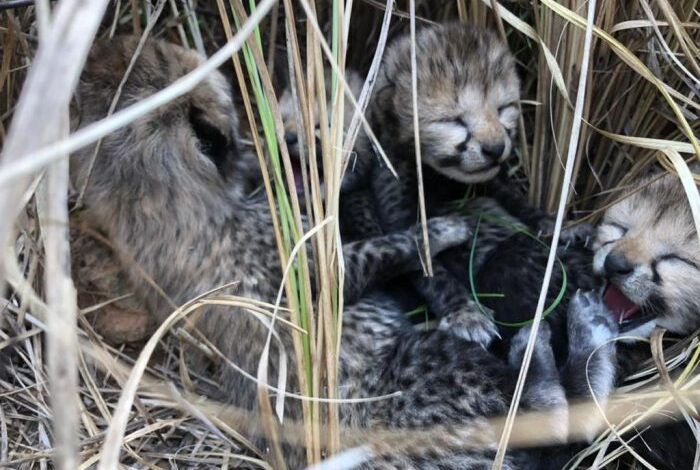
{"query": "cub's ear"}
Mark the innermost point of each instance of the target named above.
(221, 147)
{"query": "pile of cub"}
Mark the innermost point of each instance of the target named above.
(172, 210)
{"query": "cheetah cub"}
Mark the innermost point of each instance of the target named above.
(468, 94)
(647, 248)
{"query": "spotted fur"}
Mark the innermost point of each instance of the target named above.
(448, 382)
(646, 245)
(507, 262)
(165, 191)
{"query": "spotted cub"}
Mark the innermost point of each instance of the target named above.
(468, 93)
(468, 98)
(164, 189)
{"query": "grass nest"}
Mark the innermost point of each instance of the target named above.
(640, 111)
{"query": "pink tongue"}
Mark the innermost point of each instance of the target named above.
(621, 307)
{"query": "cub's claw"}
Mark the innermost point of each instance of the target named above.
(579, 233)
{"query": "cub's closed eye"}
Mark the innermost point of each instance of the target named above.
(677, 258)
(622, 228)
(512, 105)
(455, 120)
(612, 237)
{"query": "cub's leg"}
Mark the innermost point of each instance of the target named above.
(377, 259)
(543, 387)
(590, 369)
(591, 353)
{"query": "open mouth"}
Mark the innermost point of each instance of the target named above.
(297, 171)
(628, 314)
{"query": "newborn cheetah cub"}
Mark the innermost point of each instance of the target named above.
(164, 190)
(468, 94)
(647, 248)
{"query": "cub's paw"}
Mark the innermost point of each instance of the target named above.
(578, 234)
(592, 355)
(446, 232)
(471, 324)
(590, 323)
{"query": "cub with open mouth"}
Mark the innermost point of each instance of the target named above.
(647, 247)
(297, 145)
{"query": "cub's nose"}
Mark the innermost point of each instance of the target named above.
(291, 138)
(617, 265)
(493, 151)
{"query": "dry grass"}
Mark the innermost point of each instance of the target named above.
(635, 106)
